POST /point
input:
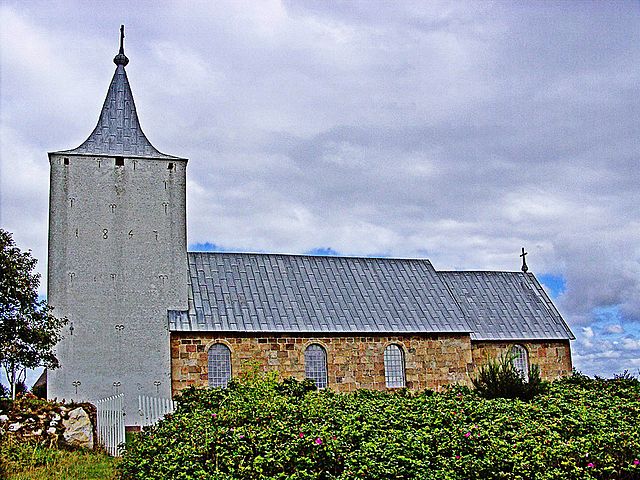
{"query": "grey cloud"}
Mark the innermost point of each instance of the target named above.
(461, 131)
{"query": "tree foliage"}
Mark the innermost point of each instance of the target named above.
(28, 329)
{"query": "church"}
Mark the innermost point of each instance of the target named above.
(148, 317)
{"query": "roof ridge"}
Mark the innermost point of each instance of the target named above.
(309, 255)
(482, 271)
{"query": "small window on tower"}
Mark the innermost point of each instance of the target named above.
(170, 166)
(66, 161)
(119, 161)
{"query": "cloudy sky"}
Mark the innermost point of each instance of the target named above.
(456, 131)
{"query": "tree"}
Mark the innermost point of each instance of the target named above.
(28, 329)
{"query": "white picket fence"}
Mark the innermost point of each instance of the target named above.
(152, 409)
(110, 413)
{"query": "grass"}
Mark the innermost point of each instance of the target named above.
(34, 462)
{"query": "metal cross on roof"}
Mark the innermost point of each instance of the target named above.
(524, 268)
(121, 58)
(121, 38)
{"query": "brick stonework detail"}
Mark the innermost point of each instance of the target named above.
(554, 358)
(358, 362)
(352, 362)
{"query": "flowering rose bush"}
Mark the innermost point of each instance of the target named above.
(260, 428)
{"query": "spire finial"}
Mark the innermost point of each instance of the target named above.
(122, 39)
(524, 268)
(121, 58)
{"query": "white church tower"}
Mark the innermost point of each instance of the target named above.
(117, 256)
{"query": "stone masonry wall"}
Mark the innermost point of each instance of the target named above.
(352, 361)
(554, 358)
(30, 419)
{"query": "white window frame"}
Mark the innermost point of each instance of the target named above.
(520, 360)
(394, 366)
(315, 364)
(218, 365)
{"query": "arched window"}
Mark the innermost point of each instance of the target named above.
(315, 364)
(520, 361)
(394, 366)
(219, 371)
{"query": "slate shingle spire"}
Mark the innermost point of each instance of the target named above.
(118, 131)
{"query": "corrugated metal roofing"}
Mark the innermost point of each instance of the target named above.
(240, 292)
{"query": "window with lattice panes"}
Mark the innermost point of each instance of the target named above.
(520, 361)
(219, 365)
(394, 366)
(315, 364)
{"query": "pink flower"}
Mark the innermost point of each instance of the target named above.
(301, 435)
(318, 441)
(241, 436)
(467, 435)
(214, 415)
(458, 457)
(636, 462)
(590, 465)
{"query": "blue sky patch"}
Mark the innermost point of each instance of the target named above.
(206, 247)
(323, 251)
(556, 284)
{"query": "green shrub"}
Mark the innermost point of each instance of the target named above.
(499, 379)
(627, 377)
(262, 428)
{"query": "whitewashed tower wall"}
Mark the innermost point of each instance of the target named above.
(117, 257)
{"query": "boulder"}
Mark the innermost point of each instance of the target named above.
(78, 431)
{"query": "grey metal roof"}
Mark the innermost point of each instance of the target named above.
(241, 292)
(506, 306)
(118, 131)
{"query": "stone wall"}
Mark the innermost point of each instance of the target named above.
(554, 358)
(357, 361)
(352, 361)
(50, 423)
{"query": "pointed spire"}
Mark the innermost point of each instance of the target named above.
(121, 58)
(118, 131)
